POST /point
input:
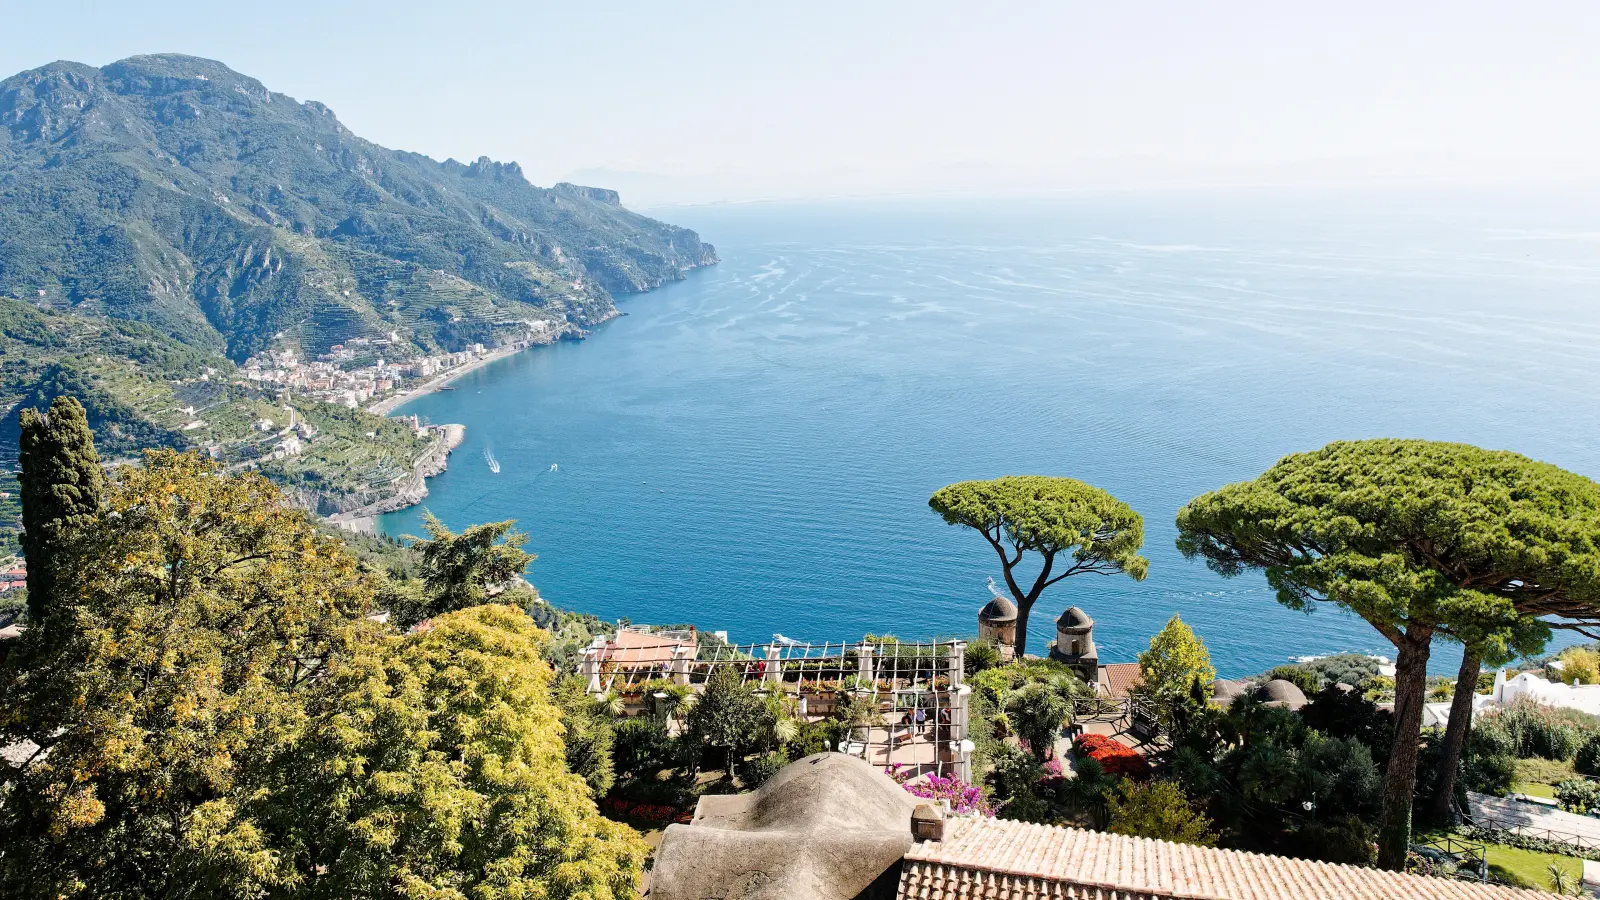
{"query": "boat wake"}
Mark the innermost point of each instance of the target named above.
(488, 457)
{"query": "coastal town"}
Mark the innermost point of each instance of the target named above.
(378, 373)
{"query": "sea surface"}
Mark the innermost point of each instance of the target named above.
(752, 449)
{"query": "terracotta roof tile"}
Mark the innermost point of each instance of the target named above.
(1120, 678)
(994, 859)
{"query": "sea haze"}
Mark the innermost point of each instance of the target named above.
(753, 449)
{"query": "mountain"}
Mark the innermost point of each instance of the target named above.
(171, 190)
(164, 219)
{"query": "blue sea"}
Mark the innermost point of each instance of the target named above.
(752, 449)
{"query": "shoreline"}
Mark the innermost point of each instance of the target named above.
(388, 404)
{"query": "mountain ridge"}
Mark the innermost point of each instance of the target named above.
(172, 190)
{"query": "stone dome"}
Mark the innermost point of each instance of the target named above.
(998, 609)
(1282, 693)
(1074, 619)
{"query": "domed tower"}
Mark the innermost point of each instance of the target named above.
(997, 622)
(1074, 644)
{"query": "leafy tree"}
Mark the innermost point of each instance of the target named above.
(1421, 540)
(730, 717)
(61, 484)
(1264, 774)
(1579, 665)
(587, 734)
(1071, 527)
(1160, 811)
(192, 646)
(434, 767)
(1037, 711)
(1341, 713)
(1175, 668)
(458, 570)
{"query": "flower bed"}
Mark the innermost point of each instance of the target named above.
(1113, 757)
(654, 812)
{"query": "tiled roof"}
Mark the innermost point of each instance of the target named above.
(1119, 678)
(995, 859)
(642, 649)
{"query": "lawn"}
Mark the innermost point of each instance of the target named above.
(1514, 865)
(1534, 789)
(1529, 868)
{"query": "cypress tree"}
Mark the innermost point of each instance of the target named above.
(61, 487)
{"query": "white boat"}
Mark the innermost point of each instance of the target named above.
(494, 464)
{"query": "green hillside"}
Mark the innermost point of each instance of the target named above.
(143, 389)
(164, 218)
(173, 191)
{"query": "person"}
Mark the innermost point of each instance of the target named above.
(943, 720)
(922, 719)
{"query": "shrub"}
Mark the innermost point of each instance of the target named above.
(757, 771)
(1546, 731)
(1345, 839)
(1303, 678)
(1158, 810)
(963, 798)
(1579, 665)
(1113, 757)
(641, 745)
(1341, 713)
(1015, 775)
(1578, 795)
(981, 656)
(1587, 761)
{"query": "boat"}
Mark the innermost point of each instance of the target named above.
(494, 464)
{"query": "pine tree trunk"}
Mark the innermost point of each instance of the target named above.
(1399, 783)
(1023, 608)
(1455, 736)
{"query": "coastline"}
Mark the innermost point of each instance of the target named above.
(388, 404)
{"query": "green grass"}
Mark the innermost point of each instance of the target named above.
(1529, 868)
(1534, 789)
(1544, 771)
(1526, 868)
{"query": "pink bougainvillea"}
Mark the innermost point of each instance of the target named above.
(964, 798)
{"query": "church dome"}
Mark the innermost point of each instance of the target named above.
(1074, 619)
(998, 609)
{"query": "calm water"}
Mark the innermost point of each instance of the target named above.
(753, 449)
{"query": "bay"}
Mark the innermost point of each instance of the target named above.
(752, 449)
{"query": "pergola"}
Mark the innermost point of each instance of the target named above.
(916, 687)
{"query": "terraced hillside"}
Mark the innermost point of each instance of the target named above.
(173, 191)
(143, 389)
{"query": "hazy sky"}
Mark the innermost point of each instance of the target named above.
(708, 100)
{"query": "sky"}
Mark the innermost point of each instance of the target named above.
(674, 102)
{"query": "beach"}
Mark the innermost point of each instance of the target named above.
(388, 404)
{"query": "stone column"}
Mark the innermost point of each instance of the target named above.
(589, 665)
(961, 748)
(958, 663)
(864, 662)
(774, 674)
(681, 657)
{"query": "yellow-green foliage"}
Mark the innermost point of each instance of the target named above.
(438, 769)
(1158, 810)
(1579, 665)
(189, 637)
(1176, 662)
